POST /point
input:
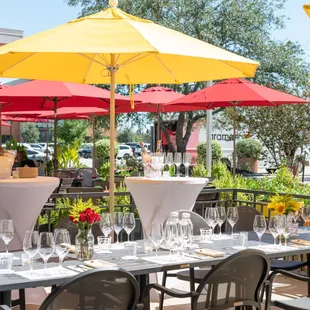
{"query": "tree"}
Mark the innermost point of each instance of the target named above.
(241, 26)
(29, 132)
(68, 131)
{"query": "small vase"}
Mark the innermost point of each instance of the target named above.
(84, 244)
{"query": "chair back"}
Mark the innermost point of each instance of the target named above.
(197, 220)
(102, 289)
(92, 171)
(246, 219)
(62, 174)
(235, 282)
(87, 179)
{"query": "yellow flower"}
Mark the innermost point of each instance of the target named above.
(280, 207)
(298, 205)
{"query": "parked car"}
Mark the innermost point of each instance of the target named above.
(36, 156)
(133, 145)
(36, 146)
(125, 151)
(147, 146)
(86, 151)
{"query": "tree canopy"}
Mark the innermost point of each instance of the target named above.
(29, 132)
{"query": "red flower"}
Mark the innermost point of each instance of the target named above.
(83, 217)
(72, 219)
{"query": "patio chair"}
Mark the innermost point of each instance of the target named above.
(87, 179)
(112, 288)
(92, 171)
(235, 282)
(198, 222)
(302, 303)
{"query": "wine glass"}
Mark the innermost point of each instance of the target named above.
(169, 161)
(46, 246)
(221, 217)
(288, 229)
(157, 235)
(232, 217)
(212, 218)
(30, 245)
(187, 160)
(62, 245)
(281, 226)
(58, 229)
(106, 224)
(171, 236)
(178, 162)
(7, 232)
(118, 224)
(273, 228)
(305, 214)
(129, 223)
(259, 226)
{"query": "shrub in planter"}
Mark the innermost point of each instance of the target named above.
(217, 153)
(248, 152)
(103, 149)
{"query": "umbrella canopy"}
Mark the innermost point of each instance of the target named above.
(72, 113)
(236, 93)
(5, 124)
(112, 47)
(307, 9)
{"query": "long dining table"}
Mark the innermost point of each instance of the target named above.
(143, 266)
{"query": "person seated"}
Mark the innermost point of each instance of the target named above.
(23, 159)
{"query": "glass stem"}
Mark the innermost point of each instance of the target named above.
(232, 230)
(128, 236)
(186, 171)
(61, 259)
(220, 229)
(31, 264)
(178, 170)
(285, 244)
(275, 240)
(45, 263)
(259, 240)
(117, 238)
(7, 248)
(156, 251)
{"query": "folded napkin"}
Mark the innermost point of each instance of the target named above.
(98, 263)
(301, 242)
(209, 252)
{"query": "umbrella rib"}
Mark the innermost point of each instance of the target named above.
(104, 59)
(98, 62)
(17, 63)
(130, 60)
(88, 68)
(169, 71)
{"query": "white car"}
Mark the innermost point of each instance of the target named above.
(36, 156)
(125, 151)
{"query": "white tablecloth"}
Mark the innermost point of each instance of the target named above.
(156, 198)
(22, 201)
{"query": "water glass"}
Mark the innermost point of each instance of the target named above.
(130, 249)
(259, 226)
(205, 235)
(104, 244)
(46, 246)
(62, 245)
(6, 261)
(31, 245)
(7, 231)
(129, 223)
(239, 241)
(187, 159)
(106, 224)
(148, 246)
(157, 235)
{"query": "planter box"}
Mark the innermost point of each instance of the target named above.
(248, 164)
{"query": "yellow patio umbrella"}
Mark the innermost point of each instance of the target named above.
(307, 9)
(112, 47)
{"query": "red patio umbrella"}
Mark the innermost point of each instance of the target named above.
(236, 93)
(5, 124)
(50, 95)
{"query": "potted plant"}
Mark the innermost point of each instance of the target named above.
(248, 153)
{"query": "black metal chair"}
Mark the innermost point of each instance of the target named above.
(237, 281)
(198, 222)
(102, 289)
(302, 303)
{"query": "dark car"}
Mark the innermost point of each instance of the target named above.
(86, 151)
(133, 145)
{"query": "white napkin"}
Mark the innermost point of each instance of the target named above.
(54, 272)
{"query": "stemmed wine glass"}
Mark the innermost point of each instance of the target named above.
(273, 228)
(178, 162)
(281, 226)
(7, 231)
(62, 245)
(106, 224)
(157, 235)
(288, 229)
(186, 162)
(221, 217)
(118, 224)
(232, 217)
(46, 246)
(30, 245)
(212, 218)
(259, 226)
(129, 223)
(169, 161)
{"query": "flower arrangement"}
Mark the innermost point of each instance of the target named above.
(284, 204)
(84, 214)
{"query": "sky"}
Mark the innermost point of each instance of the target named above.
(33, 16)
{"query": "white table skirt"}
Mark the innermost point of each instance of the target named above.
(156, 198)
(22, 201)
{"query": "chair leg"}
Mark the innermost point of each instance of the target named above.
(162, 295)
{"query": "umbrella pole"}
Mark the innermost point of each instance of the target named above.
(55, 136)
(47, 132)
(112, 70)
(234, 141)
(0, 127)
(94, 141)
(11, 131)
(158, 124)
